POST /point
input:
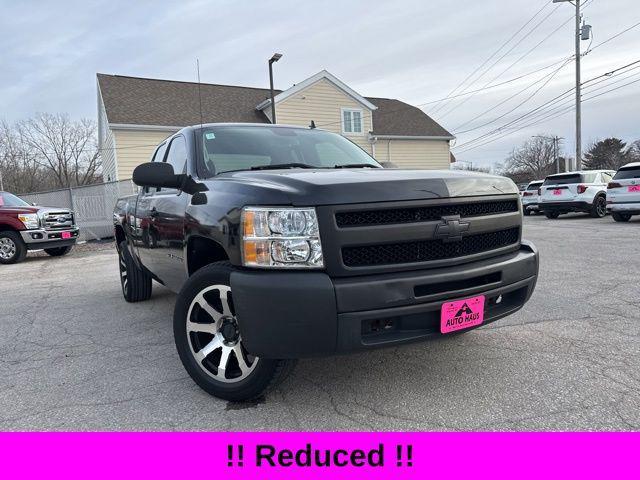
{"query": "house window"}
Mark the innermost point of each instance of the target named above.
(351, 121)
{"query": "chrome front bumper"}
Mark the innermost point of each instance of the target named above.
(40, 235)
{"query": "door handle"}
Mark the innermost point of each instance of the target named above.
(153, 213)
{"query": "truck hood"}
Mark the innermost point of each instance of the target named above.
(31, 209)
(362, 185)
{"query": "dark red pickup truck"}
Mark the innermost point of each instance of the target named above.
(26, 227)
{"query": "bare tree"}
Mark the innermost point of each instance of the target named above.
(19, 170)
(64, 147)
(535, 157)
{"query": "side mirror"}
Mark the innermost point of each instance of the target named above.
(156, 174)
(161, 175)
(388, 165)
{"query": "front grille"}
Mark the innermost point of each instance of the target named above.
(57, 220)
(423, 214)
(427, 250)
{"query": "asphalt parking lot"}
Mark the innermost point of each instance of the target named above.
(75, 356)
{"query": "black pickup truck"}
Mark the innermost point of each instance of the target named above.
(286, 242)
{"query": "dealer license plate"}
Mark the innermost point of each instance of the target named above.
(634, 188)
(557, 191)
(66, 235)
(462, 314)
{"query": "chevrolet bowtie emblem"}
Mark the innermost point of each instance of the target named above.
(451, 229)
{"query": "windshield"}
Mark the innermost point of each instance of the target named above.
(629, 172)
(534, 185)
(231, 148)
(10, 200)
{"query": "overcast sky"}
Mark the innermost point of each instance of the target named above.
(417, 51)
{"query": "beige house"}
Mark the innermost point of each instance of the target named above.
(135, 114)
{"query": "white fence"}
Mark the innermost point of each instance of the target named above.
(92, 204)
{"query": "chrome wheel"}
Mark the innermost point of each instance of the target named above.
(124, 280)
(214, 338)
(7, 248)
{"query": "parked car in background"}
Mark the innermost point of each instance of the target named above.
(26, 227)
(531, 197)
(584, 191)
(623, 193)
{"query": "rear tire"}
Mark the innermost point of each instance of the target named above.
(209, 344)
(621, 217)
(135, 282)
(58, 251)
(12, 248)
(551, 215)
(526, 212)
(599, 207)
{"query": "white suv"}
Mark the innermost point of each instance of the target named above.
(584, 191)
(623, 193)
(530, 197)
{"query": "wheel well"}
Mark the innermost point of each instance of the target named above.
(4, 227)
(203, 251)
(120, 236)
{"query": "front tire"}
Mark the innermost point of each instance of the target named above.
(135, 282)
(552, 215)
(209, 344)
(12, 248)
(621, 217)
(58, 251)
(599, 207)
(526, 212)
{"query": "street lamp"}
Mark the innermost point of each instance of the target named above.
(272, 60)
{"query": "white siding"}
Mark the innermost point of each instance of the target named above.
(134, 147)
(323, 102)
(106, 144)
(421, 154)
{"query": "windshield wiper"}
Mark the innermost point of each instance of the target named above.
(281, 165)
(356, 165)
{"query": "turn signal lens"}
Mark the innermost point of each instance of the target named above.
(582, 188)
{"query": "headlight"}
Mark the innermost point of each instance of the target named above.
(30, 220)
(281, 238)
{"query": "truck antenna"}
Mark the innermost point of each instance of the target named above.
(199, 94)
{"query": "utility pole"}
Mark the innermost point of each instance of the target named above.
(579, 36)
(578, 93)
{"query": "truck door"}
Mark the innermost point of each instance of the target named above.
(162, 215)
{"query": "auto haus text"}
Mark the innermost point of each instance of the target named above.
(270, 456)
(465, 318)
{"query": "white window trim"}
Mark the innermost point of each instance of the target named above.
(352, 134)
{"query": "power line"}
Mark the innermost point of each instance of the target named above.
(513, 47)
(496, 52)
(430, 102)
(612, 38)
(505, 101)
(522, 57)
(558, 98)
(549, 116)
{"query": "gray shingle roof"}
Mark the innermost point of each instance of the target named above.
(394, 117)
(144, 101)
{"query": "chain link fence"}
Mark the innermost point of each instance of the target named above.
(92, 205)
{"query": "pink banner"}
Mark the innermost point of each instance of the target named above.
(318, 455)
